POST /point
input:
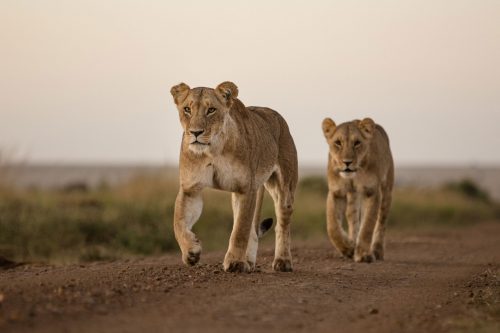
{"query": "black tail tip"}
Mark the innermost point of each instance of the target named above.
(264, 226)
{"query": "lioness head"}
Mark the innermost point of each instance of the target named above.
(203, 113)
(349, 144)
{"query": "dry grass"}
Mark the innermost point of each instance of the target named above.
(80, 224)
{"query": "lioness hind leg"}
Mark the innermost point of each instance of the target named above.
(282, 253)
(253, 241)
(335, 212)
(188, 207)
(283, 205)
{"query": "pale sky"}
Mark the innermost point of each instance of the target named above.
(88, 81)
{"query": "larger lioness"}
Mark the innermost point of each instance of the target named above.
(239, 149)
(360, 181)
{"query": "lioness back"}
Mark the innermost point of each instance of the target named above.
(274, 124)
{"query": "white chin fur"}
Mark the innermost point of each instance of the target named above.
(347, 175)
(198, 149)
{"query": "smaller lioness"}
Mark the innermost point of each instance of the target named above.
(238, 149)
(360, 180)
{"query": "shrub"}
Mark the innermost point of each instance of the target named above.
(469, 188)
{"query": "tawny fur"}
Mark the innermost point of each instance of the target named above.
(242, 150)
(360, 181)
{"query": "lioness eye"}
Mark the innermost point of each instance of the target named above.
(357, 144)
(211, 110)
(187, 110)
(338, 143)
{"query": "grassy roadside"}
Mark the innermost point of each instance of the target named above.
(81, 224)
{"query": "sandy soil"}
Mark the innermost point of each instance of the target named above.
(431, 281)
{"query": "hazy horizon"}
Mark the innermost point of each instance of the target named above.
(88, 81)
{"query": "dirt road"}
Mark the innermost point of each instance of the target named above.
(431, 281)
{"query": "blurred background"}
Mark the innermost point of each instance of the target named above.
(89, 134)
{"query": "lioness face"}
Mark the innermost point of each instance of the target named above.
(203, 113)
(349, 144)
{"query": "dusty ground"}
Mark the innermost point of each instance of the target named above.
(431, 281)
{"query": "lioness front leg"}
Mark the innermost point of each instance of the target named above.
(335, 212)
(235, 259)
(379, 232)
(352, 215)
(370, 207)
(188, 207)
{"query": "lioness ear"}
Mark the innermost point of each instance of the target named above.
(180, 92)
(367, 127)
(227, 91)
(328, 127)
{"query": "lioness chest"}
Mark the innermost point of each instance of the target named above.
(363, 183)
(228, 175)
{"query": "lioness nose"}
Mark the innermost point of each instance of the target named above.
(196, 133)
(347, 162)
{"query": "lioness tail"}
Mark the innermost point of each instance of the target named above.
(264, 226)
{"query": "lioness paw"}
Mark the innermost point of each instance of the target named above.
(378, 252)
(282, 265)
(348, 252)
(251, 264)
(378, 255)
(368, 258)
(237, 267)
(192, 256)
